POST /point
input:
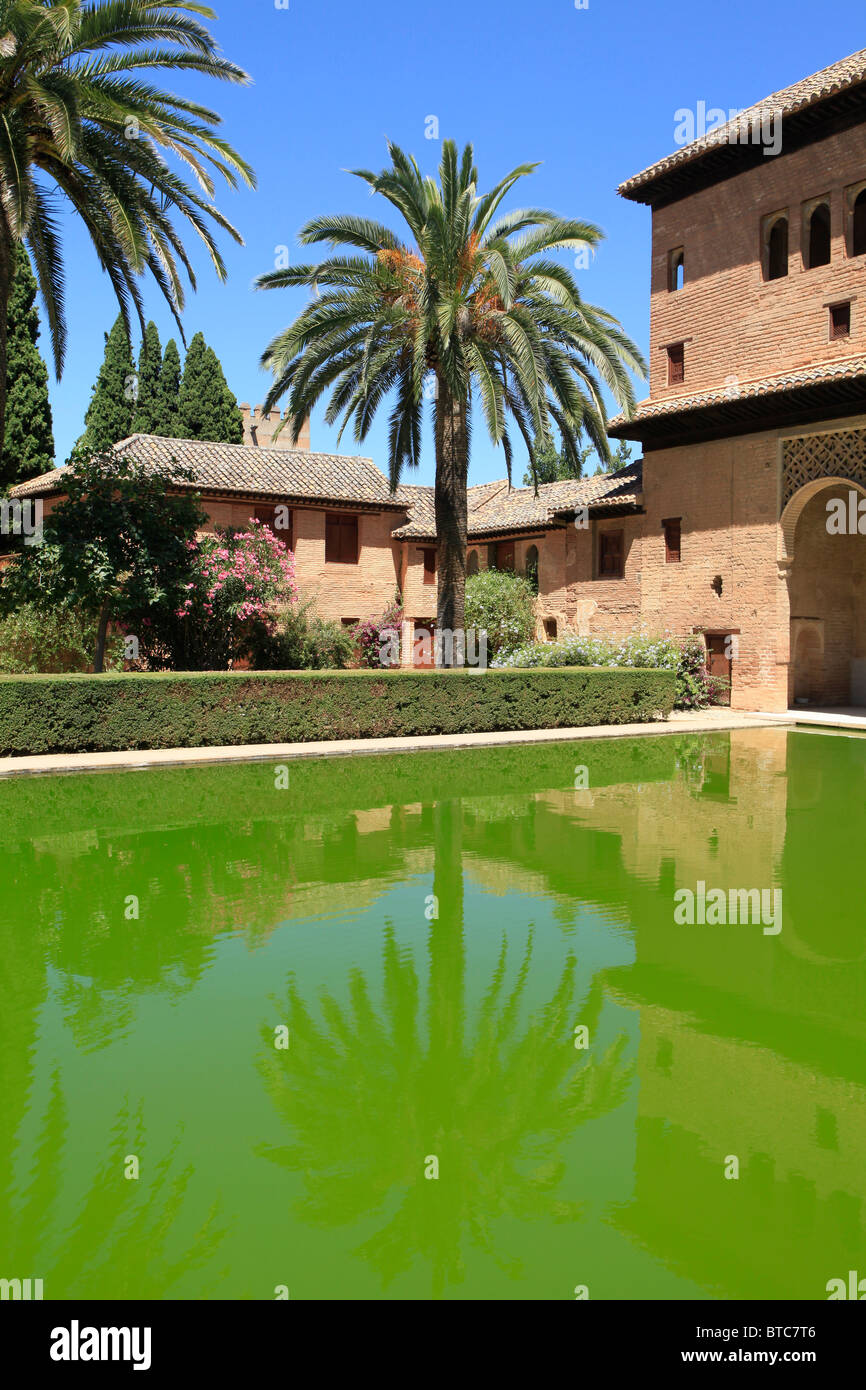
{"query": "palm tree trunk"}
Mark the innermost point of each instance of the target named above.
(101, 633)
(7, 272)
(451, 431)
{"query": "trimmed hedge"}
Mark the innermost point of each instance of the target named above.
(84, 713)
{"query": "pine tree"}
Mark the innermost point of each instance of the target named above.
(29, 444)
(149, 364)
(207, 410)
(167, 393)
(112, 405)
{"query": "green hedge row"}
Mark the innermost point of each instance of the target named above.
(71, 714)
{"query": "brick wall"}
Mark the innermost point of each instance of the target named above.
(733, 322)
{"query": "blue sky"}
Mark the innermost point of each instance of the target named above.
(592, 93)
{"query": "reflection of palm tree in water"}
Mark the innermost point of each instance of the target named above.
(369, 1094)
(116, 1246)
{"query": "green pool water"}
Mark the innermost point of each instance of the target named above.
(335, 1026)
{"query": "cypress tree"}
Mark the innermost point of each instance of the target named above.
(167, 393)
(29, 445)
(149, 363)
(112, 405)
(207, 410)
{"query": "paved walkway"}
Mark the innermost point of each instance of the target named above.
(282, 752)
(836, 717)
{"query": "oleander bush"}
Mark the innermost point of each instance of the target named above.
(68, 714)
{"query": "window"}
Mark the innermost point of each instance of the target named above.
(341, 539)
(505, 555)
(350, 622)
(676, 364)
(672, 528)
(430, 565)
(676, 269)
(819, 237)
(858, 225)
(550, 629)
(840, 321)
(610, 554)
(532, 566)
(776, 248)
(472, 562)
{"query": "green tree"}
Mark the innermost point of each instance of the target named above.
(117, 545)
(619, 457)
(82, 121)
(28, 448)
(149, 364)
(553, 466)
(207, 409)
(112, 406)
(472, 303)
(168, 391)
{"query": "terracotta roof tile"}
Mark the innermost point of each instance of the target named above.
(242, 468)
(809, 91)
(848, 369)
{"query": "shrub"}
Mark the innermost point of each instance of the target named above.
(685, 656)
(52, 640)
(501, 604)
(237, 580)
(377, 639)
(302, 641)
(68, 714)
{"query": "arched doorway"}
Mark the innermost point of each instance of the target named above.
(826, 569)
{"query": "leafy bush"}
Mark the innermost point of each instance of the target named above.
(501, 604)
(69, 714)
(376, 639)
(685, 656)
(301, 641)
(237, 580)
(52, 640)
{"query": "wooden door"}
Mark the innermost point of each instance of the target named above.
(423, 644)
(719, 662)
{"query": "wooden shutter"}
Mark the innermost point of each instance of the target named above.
(610, 554)
(429, 565)
(341, 539)
(676, 364)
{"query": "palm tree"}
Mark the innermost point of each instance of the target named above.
(473, 301)
(79, 119)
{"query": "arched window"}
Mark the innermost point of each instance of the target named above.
(532, 566)
(858, 228)
(777, 250)
(819, 236)
(676, 269)
(472, 563)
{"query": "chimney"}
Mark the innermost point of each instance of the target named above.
(259, 429)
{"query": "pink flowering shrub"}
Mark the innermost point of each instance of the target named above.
(238, 581)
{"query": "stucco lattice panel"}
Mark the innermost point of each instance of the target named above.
(841, 454)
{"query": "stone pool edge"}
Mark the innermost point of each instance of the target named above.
(131, 760)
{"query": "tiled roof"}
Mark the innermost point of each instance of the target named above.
(848, 72)
(242, 468)
(496, 509)
(848, 369)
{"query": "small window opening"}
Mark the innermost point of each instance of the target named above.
(819, 237)
(676, 364)
(550, 629)
(858, 228)
(777, 250)
(676, 270)
(840, 321)
(673, 533)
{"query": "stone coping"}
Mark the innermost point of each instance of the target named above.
(137, 759)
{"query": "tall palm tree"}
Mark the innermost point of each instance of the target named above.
(82, 126)
(472, 300)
